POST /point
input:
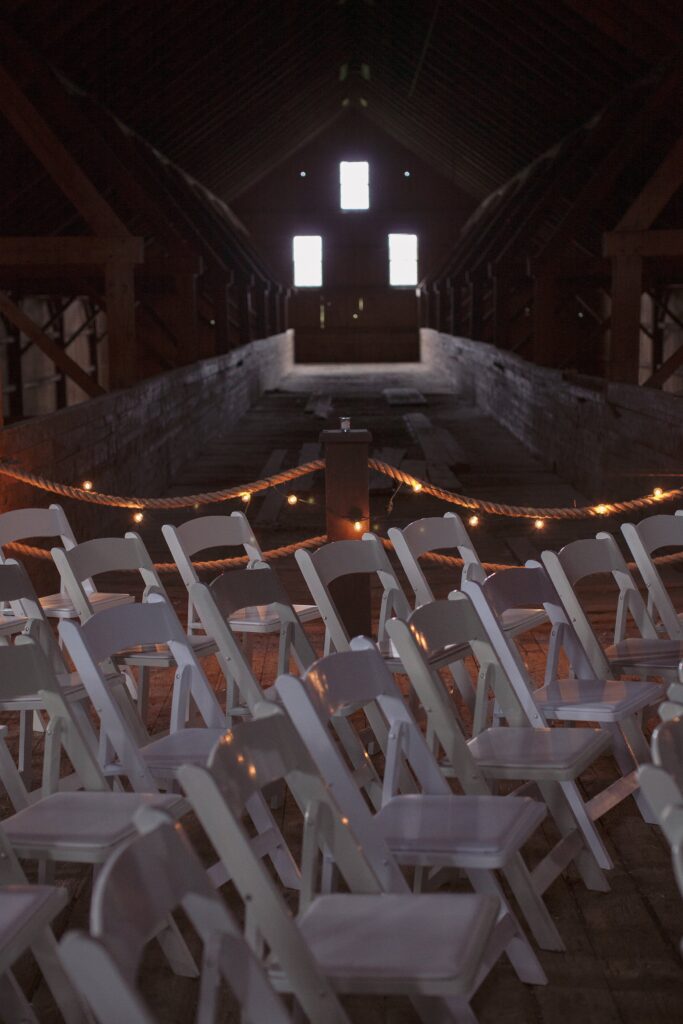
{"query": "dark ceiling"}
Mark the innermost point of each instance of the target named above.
(226, 90)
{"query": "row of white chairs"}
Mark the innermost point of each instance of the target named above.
(480, 621)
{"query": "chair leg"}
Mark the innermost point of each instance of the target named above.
(26, 747)
(561, 810)
(16, 1008)
(630, 744)
(44, 949)
(531, 903)
(587, 826)
(176, 951)
(517, 948)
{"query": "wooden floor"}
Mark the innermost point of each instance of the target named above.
(622, 965)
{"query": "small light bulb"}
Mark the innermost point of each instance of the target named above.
(539, 524)
(196, 506)
(246, 497)
(302, 174)
(417, 486)
(406, 174)
(358, 526)
(601, 509)
(473, 520)
(87, 485)
(138, 517)
(658, 492)
(292, 499)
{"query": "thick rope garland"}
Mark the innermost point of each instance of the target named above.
(183, 501)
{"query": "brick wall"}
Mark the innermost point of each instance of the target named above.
(132, 442)
(604, 438)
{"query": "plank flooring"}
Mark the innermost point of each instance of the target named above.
(622, 963)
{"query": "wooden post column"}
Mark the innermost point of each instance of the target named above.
(624, 346)
(347, 502)
(120, 303)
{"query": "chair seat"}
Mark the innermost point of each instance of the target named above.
(462, 831)
(23, 910)
(59, 606)
(11, 624)
(264, 618)
(81, 827)
(388, 942)
(515, 752)
(437, 658)
(159, 656)
(186, 746)
(521, 620)
(72, 689)
(595, 700)
(645, 654)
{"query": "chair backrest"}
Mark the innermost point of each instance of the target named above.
(433, 533)
(530, 586)
(79, 564)
(644, 539)
(430, 630)
(26, 671)
(155, 874)
(92, 646)
(17, 590)
(582, 559)
(202, 534)
(359, 678)
(23, 523)
(235, 591)
(261, 751)
(205, 532)
(339, 558)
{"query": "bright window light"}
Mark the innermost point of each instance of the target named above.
(354, 182)
(403, 259)
(308, 261)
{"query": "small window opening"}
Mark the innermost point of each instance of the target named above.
(307, 251)
(403, 260)
(354, 185)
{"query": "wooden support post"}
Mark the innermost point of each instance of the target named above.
(347, 502)
(476, 313)
(185, 325)
(120, 303)
(546, 326)
(624, 346)
(219, 294)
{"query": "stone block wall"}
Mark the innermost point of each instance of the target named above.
(604, 438)
(132, 442)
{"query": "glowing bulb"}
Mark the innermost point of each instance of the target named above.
(87, 485)
(344, 821)
(473, 520)
(601, 510)
(358, 526)
(246, 497)
(252, 770)
(417, 486)
(539, 524)
(292, 499)
(138, 517)
(658, 493)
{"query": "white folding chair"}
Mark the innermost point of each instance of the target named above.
(233, 531)
(103, 965)
(17, 591)
(615, 706)
(229, 594)
(448, 533)
(34, 523)
(433, 948)
(645, 539)
(646, 654)
(26, 912)
(432, 828)
(152, 762)
(525, 749)
(117, 554)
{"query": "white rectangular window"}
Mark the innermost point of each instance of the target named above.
(308, 261)
(354, 185)
(403, 259)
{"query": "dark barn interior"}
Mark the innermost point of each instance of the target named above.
(431, 252)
